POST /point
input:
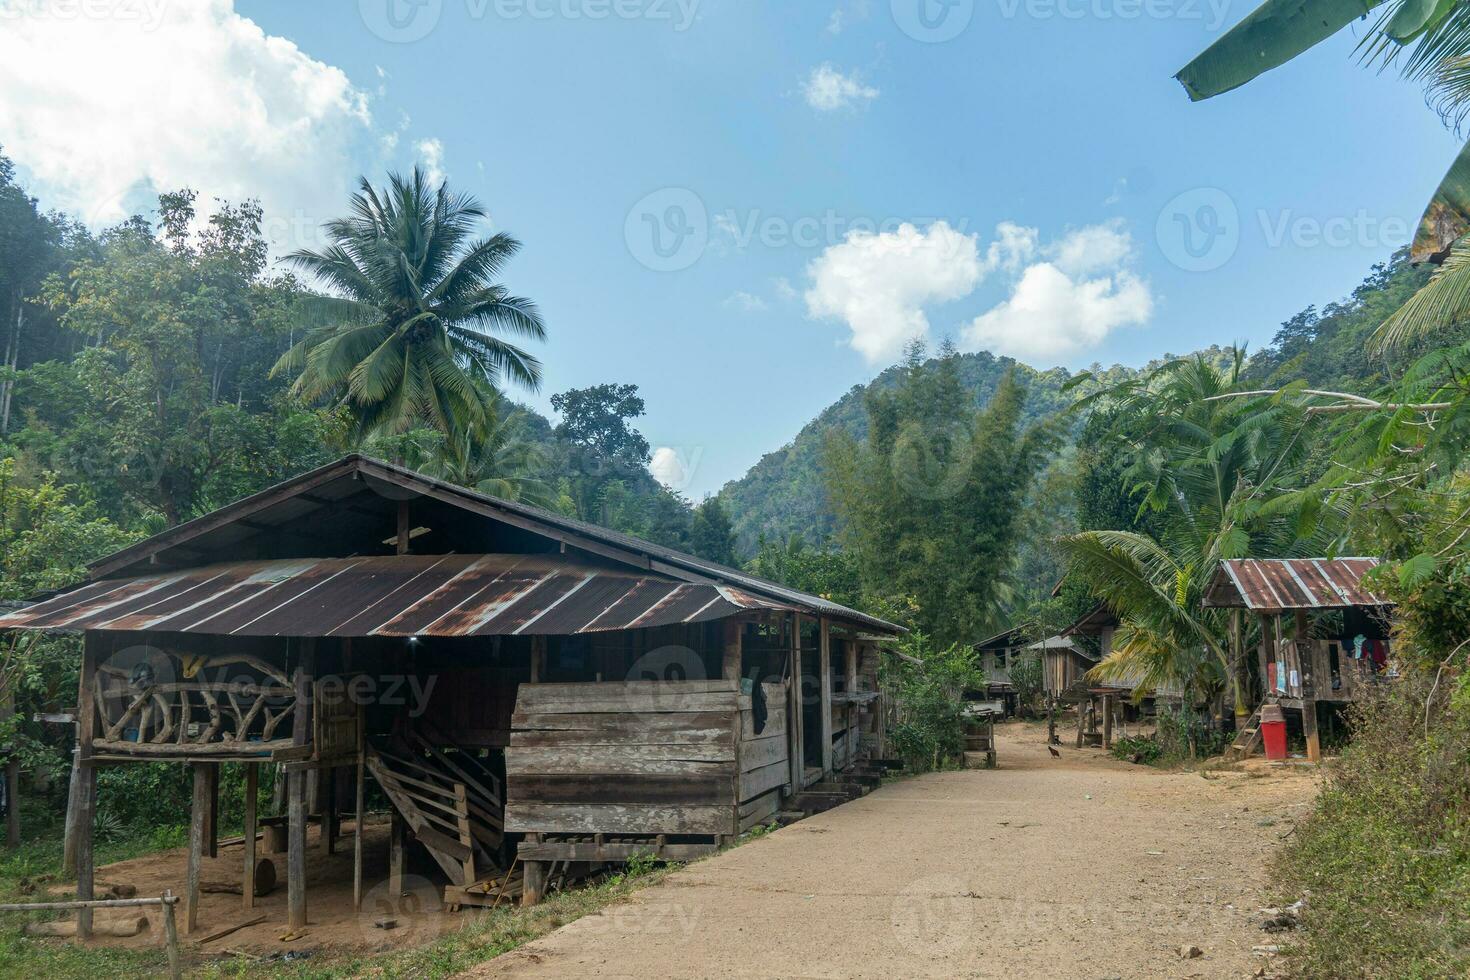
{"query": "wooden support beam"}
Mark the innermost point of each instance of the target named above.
(733, 648)
(198, 828)
(533, 887)
(397, 844)
(404, 527)
(211, 817)
(1082, 707)
(538, 659)
(793, 704)
(358, 813)
(1107, 721)
(1309, 729)
(296, 808)
(252, 792)
(824, 665)
(84, 802)
(850, 686)
(1051, 720)
(331, 827)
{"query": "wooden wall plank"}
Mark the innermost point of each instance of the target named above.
(620, 759)
(759, 810)
(708, 789)
(619, 819)
(758, 781)
(760, 752)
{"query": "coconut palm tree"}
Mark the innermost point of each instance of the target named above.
(1223, 476)
(416, 321)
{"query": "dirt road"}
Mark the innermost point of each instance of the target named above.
(1073, 867)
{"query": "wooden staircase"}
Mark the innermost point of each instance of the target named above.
(451, 803)
(1248, 737)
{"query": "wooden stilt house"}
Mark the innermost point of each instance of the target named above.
(521, 685)
(1325, 634)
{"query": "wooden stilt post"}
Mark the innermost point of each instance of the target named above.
(794, 698)
(734, 649)
(1309, 730)
(1081, 720)
(69, 832)
(397, 839)
(533, 878)
(211, 825)
(296, 809)
(357, 811)
(824, 665)
(1107, 702)
(252, 792)
(331, 828)
(198, 827)
(850, 649)
(1051, 720)
(85, 801)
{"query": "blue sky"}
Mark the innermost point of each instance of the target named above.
(822, 181)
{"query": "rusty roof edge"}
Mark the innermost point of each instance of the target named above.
(629, 548)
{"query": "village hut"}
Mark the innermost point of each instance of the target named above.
(521, 685)
(1325, 634)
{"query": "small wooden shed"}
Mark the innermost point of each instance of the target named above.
(1325, 633)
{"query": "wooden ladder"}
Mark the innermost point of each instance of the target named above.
(1247, 739)
(448, 806)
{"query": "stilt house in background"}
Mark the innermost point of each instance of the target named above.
(1324, 633)
(520, 684)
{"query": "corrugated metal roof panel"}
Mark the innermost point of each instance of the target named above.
(406, 595)
(1273, 585)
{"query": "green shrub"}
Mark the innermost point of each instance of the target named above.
(926, 686)
(1144, 747)
(1384, 859)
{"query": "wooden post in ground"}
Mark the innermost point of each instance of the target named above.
(824, 664)
(1081, 720)
(211, 818)
(85, 800)
(171, 935)
(850, 648)
(1051, 720)
(69, 830)
(1107, 702)
(793, 700)
(533, 882)
(733, 651)
(252, 791)
(198, 827)
(397, 841)
(357, 810)
(331, 828)
(1309, 729)
(296, 809)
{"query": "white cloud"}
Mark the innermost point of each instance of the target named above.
(880, 283)
(431, 156)
(746, 302)
(845, 13)
(1061, 297)
(785, 290)
(102, 112)
(1070, 301)
(668, 468)
(827, 89)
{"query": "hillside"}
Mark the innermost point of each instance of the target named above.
(783, 493)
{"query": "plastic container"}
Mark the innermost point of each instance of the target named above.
(1273, 731)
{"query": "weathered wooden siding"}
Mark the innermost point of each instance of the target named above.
(634, 757)
(765, 770)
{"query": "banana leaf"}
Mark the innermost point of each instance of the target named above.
(1271, 35)
(1415, 17)
(1448, 214)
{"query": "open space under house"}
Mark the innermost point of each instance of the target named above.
(526, 689)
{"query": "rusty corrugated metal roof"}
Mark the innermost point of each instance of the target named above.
(1273, 585)
(406, 595)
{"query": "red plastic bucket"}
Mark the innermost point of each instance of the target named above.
(1273, 731)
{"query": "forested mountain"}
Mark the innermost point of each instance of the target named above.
(784, 493)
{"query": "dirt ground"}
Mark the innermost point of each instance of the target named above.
(333, 928)
(1074, 867)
